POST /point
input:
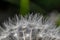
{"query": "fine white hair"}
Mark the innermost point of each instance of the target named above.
(31, 27)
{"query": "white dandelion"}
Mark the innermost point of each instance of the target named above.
(31, 27)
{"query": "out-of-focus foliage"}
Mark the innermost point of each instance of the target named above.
(24, 6)
(35, 8)
(48, 5)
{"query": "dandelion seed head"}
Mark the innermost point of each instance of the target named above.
(31, 27)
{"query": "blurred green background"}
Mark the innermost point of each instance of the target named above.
(44, 6)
